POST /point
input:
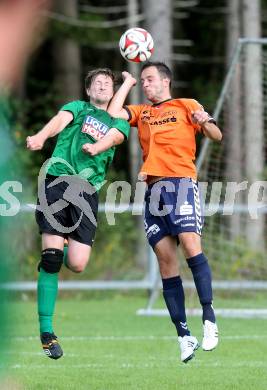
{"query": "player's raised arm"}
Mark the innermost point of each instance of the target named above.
(115, 107)
(207, 124)
(113, 138)
(52, 128)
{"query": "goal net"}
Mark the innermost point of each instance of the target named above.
(233, 174)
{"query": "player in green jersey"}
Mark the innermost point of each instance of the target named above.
(67, 189)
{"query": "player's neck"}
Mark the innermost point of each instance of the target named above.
(161, 99)
(101, 106)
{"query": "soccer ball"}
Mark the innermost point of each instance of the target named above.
(136, 45)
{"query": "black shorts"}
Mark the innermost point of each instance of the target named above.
(67, 207)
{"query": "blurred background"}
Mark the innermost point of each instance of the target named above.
(199, 40)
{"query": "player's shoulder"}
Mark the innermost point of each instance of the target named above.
(137, 110)
(139, 106)
(191, 104)
(78, 104)
(81, 103)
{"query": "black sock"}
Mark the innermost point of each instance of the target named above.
(208, 313)
(202, 278)
(173, 294)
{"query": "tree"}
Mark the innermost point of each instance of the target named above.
(158, 21)
(233, 124)
(135, 153)
(67, 58)
(253, 112)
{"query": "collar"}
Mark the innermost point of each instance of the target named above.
(164, 101)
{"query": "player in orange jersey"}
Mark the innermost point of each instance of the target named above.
(167, 129)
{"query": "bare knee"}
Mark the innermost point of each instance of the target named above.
(165, 251)
(191, 244)
(78, 256)
(77, 265)
(167, 261)
(77, 268)
(168, 268)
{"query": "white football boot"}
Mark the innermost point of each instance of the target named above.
(210, 337)
(188, 344)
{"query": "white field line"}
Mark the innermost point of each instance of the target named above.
(227, 313)
(133, 338)
(143, 365)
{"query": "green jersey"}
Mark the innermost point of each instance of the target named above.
(89, 125)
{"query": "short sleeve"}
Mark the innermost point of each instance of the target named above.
(74, 107)
(134, 112)
(191, 106)
(121, 125)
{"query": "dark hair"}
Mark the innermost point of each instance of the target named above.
(162, 68)
(92, 74)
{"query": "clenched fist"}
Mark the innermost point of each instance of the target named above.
(200, 117)
(127, 76)
(90, 149)
(35, 142)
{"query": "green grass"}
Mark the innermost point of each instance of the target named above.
(108, 347)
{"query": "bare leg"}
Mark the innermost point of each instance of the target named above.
(78, 255)
(52, 241)
(166, 252)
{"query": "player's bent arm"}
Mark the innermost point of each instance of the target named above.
(207, 124)
(211, 131)
(115, 107)
(113, 138)
(52, 128)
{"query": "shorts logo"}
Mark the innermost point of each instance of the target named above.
(186, 218)
(186, 209)
(94, 128)
(153, 229)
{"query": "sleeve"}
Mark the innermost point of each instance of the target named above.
(121, 125)
(134, 112)
(193, 105)
(73, 107)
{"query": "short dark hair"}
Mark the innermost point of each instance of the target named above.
(162, 68)
(92, 74)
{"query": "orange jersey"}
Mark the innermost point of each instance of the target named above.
(167, 137)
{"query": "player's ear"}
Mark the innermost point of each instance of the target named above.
(166, 82)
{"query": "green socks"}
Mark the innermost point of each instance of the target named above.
(47, 295)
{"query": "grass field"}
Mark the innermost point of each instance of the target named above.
(108, 347)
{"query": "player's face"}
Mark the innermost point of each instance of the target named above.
(101, 90)
(154, 86)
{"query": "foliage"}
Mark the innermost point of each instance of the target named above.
(236, 260)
